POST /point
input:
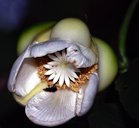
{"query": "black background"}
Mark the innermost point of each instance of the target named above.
(104, 18)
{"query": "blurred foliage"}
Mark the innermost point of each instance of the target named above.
(127, 85)
(115, 107)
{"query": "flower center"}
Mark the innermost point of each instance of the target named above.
(59, 72)
(63, 64)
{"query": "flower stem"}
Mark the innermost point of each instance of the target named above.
(123, 34)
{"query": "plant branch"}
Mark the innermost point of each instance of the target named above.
(123, 36)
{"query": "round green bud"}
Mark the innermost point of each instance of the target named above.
(108, 64)
(72, 29)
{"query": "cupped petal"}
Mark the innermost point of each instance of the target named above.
(27, 77)
(86, 95)
(48, 47)
(51, 109)
(90, 57)
(15, 69)
(81, 56)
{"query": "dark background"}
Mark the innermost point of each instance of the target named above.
(104, 18)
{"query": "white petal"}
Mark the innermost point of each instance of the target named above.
(27, 78)
(52, 57)
(49, 72)
(52, 76)
(48, 47)
(72, 73)
(61, 79)
(86, 95)
(15, 69)
(51, 109)
(53, 63)
(48, 66)
(57, 77)
(85, 57)
(67, 81)
(89, 57)
(71, 78)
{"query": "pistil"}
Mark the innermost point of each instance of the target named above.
(58, 72)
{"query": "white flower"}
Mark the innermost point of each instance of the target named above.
(66, 65)
(61, 65)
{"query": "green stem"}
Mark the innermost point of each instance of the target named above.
(123, 36)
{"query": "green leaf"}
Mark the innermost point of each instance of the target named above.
(123, 35)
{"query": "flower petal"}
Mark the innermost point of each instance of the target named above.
(47, 66)
(61, 79)
(48, 47)
(67, 81)
(53, 63)
(72, 73)
(15, 69)
(49, 72)
(71, 78)
(51, 109)
(90, 57)
(81, 56)
(56, 78)
(52, 57)
(52, 76)
(27, 77)
(86, 95)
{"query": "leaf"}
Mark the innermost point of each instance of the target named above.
(127, 86)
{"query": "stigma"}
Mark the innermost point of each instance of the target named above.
(59, 72)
